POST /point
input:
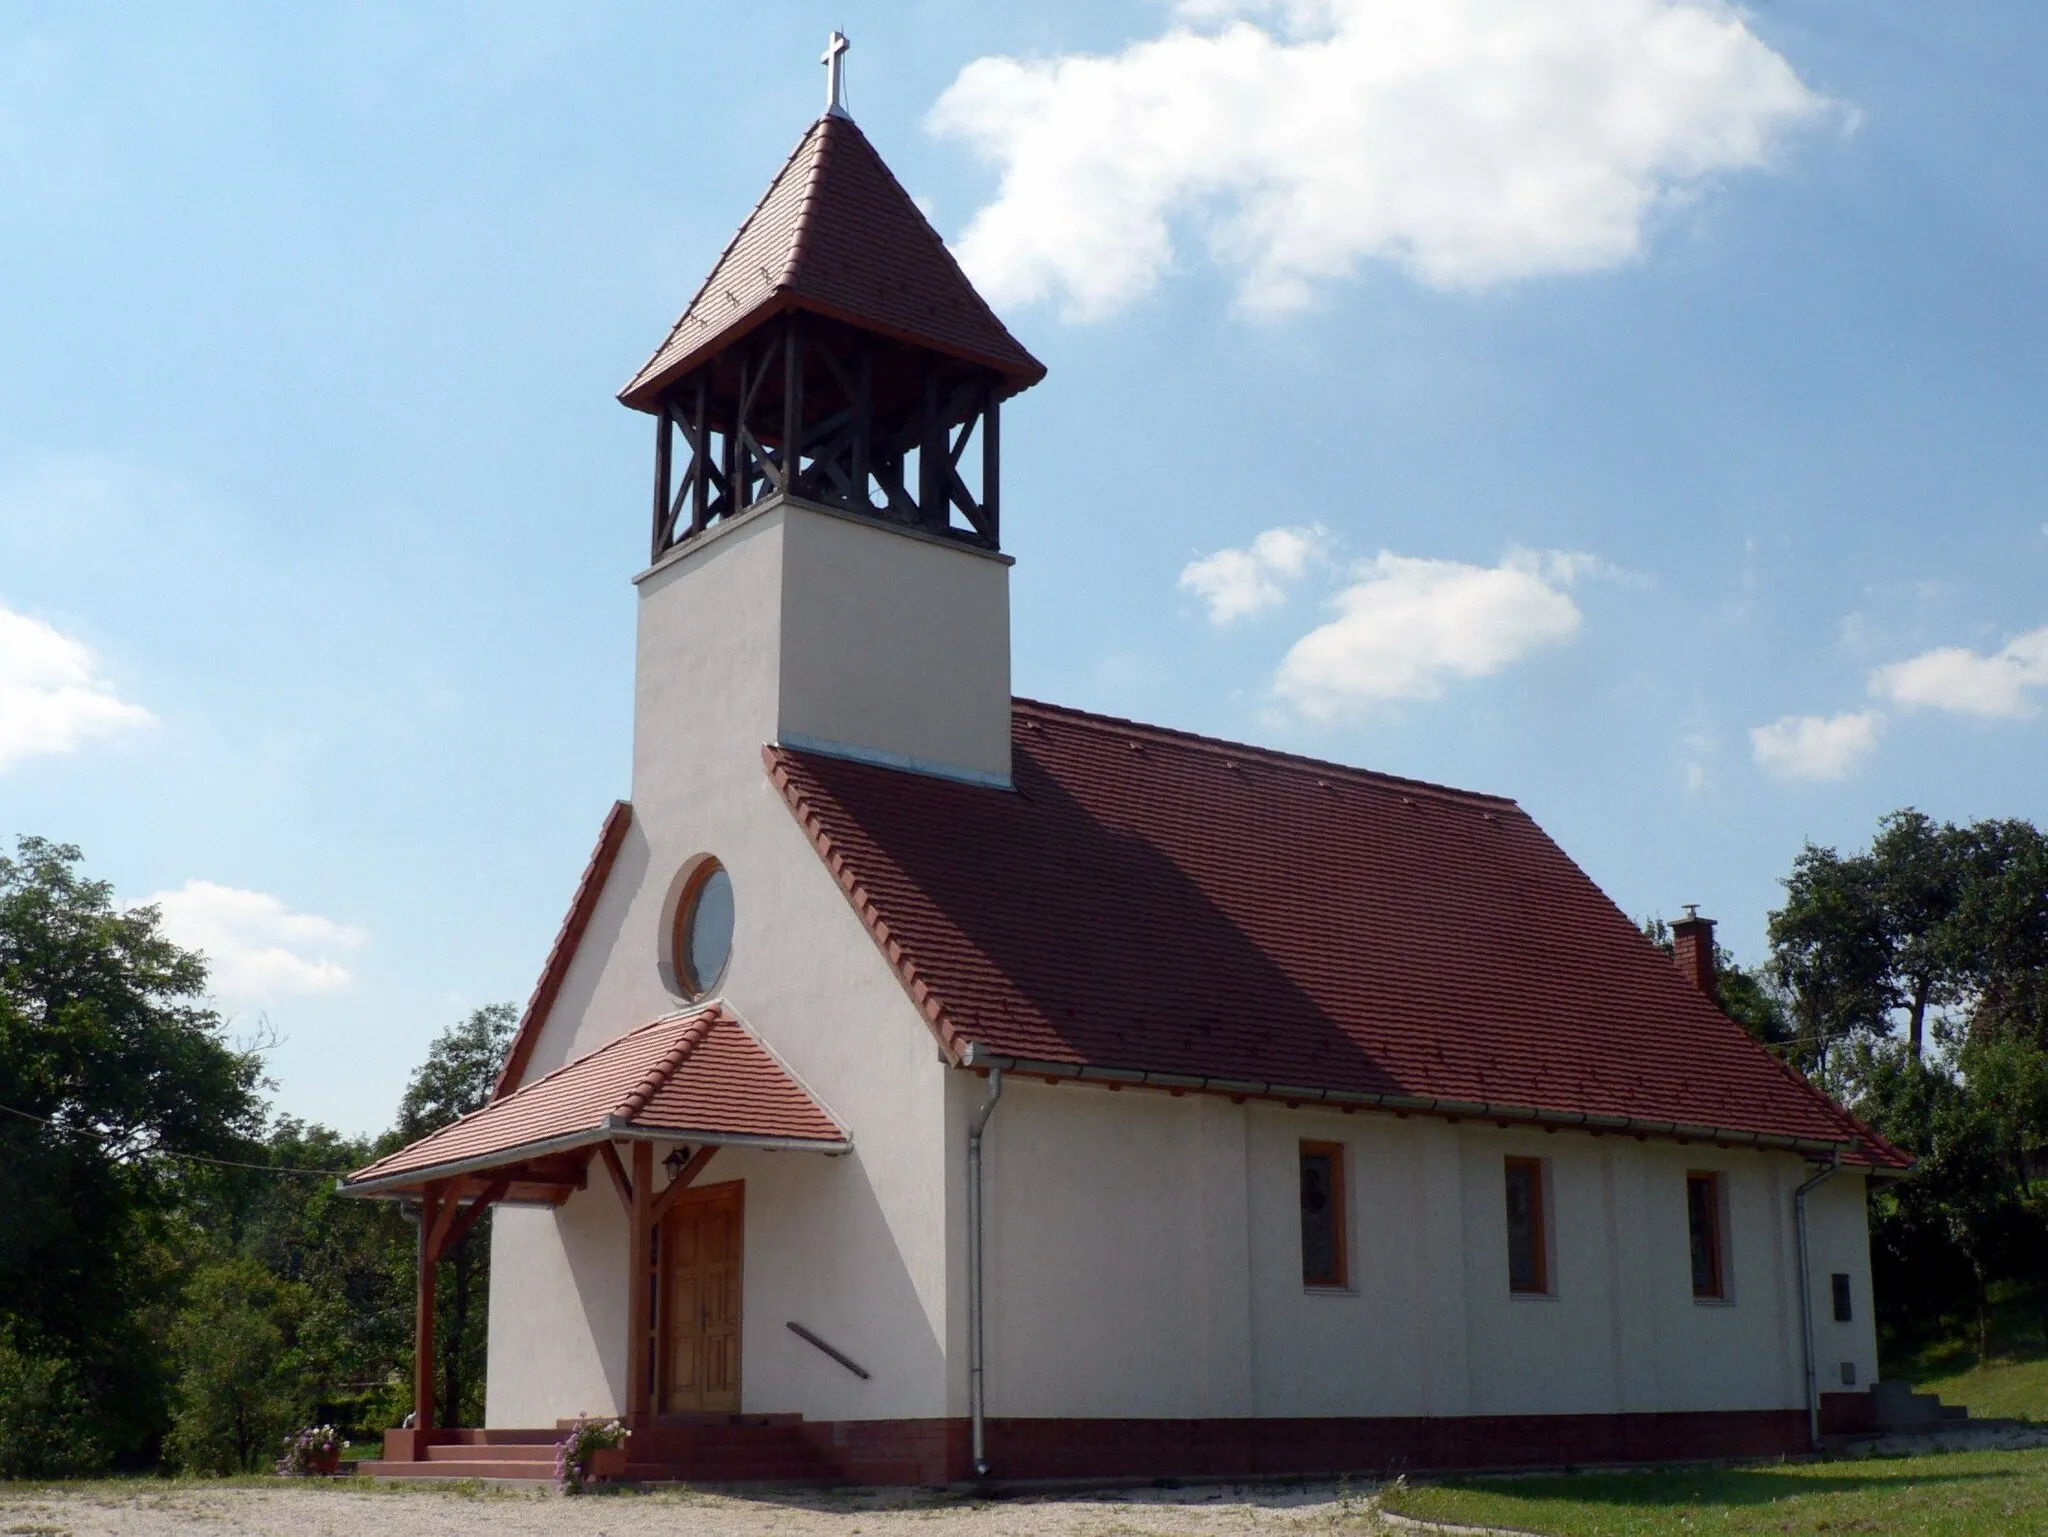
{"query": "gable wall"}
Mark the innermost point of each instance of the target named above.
(854, 1247)
(1144, 1259)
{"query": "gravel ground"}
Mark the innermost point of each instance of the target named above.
(248, 1508)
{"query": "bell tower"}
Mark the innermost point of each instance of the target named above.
(835, 354)
(825, 551)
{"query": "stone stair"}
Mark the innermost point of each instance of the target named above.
(734, 1449)
(1896, 1407)
(524, 1455)
(708, 1449)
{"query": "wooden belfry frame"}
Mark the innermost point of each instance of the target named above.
(807, 407)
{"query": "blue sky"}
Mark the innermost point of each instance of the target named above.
(1615, 380)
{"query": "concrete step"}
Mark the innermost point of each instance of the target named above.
(1897, 1406)
(448, 1468)
(489, 1452)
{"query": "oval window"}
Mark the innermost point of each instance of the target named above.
(703, 938)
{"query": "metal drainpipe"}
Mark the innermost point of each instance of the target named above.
(1806, 1297)
(976, 1401)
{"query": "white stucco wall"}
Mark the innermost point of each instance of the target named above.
(1838, 1229)
(558, 1310)
(1144, 1259)
(1143, 1249)
(780, 618)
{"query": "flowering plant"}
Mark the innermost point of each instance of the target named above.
(572, 1456)
(316, 1449)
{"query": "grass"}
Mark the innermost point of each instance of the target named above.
(2011, 1390)
(2011, 1384)
(1962, 1494)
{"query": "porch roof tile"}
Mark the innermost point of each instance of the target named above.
(698, 1076)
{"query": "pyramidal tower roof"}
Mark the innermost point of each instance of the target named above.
(836, 234)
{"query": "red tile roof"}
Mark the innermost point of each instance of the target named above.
(1153, 904)
(836, 234)
(695, 1077)
(567, 938)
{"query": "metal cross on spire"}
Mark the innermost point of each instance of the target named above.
(835, 76)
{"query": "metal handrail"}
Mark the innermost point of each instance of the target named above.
(840, 1356)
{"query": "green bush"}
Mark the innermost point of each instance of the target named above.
(46, 1419)
(235, 1398)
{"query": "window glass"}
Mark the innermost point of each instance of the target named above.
(1322, 1214)
(1528, 1270)
(1703, 1218)
(1843, 1312)
(704, 930)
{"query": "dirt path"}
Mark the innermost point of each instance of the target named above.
(248, 1509)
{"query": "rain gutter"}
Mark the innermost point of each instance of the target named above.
(979, 1057)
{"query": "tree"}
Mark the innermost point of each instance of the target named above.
(1961, 1222)
(236, 1399)
(109, 1066)
(2002, 918)
(456, 1079)
(1862, 938)
(349, 1262)
(47, 1425)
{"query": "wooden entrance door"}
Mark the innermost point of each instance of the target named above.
(700, 1301)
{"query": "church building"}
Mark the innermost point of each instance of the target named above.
(930, 1085)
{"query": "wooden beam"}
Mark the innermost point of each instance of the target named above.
(992, 466)
(640, 1284)
(459, 1228)
(617, 1170)
(733, 501)
(792, 403)
(423, 1311)
(700, 508)
(682, 1181)
(931, 460)
(446, 1209)
(661, 479)
(863, 427)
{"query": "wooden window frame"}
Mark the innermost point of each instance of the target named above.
(688, 983)
(1340, 1212)
(1539, 1225)
(1717, 1235)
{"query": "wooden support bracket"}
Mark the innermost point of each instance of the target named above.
(682, 1181)
(617, 1170)
(459, 1228)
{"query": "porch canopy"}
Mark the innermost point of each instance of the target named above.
(695, 1079)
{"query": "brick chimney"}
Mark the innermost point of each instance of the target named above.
(1692, 947)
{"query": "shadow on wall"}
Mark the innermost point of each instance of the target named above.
(845, 1279)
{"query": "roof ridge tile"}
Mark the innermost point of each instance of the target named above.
(1249, 751)
(686, 1041)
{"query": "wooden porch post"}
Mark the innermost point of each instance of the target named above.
(423, 1311)
(640, 1281)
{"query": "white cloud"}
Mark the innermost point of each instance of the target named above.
(1470, 142)
(256, 948)
(52, 697)
(1954, 678)
(1406, 625)
(1236, 583)
(1815, 746)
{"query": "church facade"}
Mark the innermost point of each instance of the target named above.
(929, 1084)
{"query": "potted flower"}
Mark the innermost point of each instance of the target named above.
(316, 1449)
(578, 1451)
